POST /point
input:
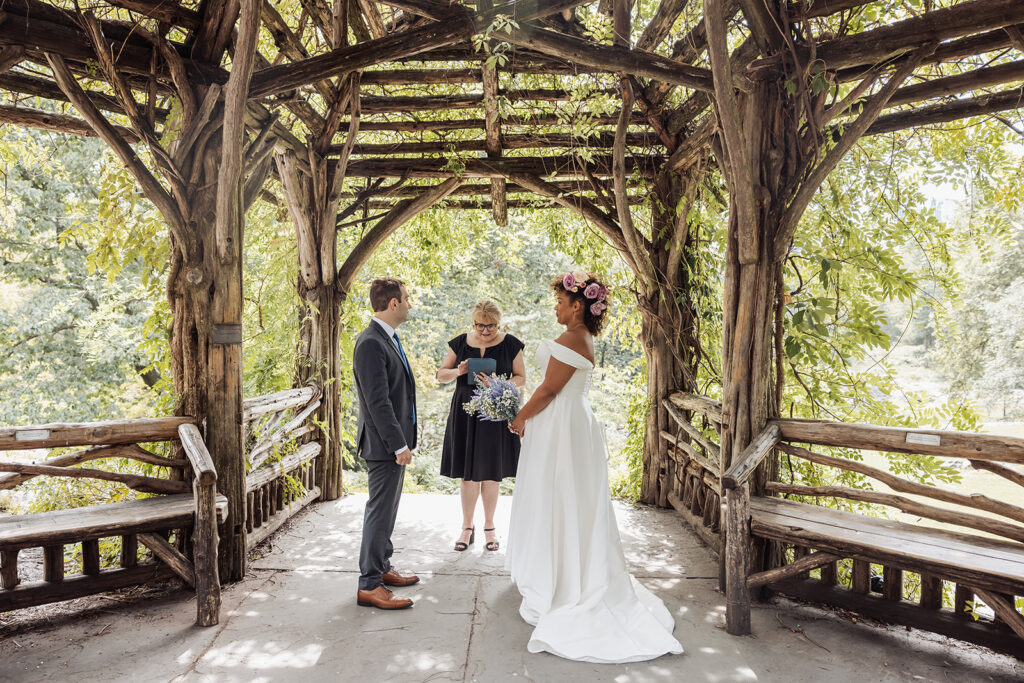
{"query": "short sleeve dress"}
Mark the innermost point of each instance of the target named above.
(475, 449)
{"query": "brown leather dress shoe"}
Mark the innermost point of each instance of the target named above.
(381, 597)
(393, 578)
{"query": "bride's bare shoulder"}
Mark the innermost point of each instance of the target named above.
(580, 342)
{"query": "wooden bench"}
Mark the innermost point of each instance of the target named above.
(966, 567)
(967, 561)
(149, 521)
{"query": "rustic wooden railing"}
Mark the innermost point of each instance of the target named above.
(937, 579)
(190, 508)
(282, 460)
(695, 464)
(973, 569)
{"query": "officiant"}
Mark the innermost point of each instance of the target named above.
(478, 452)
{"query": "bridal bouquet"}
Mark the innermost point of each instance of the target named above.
(496, 401)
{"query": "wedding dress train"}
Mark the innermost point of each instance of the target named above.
(564, 552)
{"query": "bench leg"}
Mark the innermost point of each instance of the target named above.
(737, 561)
(205, 541)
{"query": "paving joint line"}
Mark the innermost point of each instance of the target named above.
(220, 630)
(472, 628)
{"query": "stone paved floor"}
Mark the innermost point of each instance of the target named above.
(294, 618)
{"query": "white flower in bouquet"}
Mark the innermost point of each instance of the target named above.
(495, 401)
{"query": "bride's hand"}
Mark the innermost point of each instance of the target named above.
(517, 426)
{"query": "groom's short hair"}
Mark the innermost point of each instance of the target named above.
(383, 290)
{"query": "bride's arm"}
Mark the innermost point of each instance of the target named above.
(557, 376)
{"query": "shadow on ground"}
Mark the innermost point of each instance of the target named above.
(294, 618)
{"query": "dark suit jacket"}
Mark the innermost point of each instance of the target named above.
(387, 396)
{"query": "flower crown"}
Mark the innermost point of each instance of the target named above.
(573, 280)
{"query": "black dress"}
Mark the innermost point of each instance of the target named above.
(475, 449)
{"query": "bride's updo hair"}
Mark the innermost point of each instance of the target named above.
(588, 290)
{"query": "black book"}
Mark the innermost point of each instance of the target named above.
(484, 365)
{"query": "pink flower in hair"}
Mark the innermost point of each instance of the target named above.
(592, 291)
(603, 294)
(597, 307)
(569, 282)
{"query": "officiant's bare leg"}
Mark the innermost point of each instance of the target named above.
(469, 491)
(489, 493)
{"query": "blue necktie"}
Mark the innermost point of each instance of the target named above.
(405, 362)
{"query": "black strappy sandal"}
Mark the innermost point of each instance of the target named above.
(491, 545)
(460, 546)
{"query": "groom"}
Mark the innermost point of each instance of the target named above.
(387, 437)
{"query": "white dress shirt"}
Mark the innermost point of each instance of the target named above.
(390, 331)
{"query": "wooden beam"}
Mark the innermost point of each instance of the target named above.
(131, 451)
(152, 188)
(170, 556)
(195, 449)
(434, 167)
(691, 452)
(395, 46)
(751, 457)
(398, 216)
(58, 435)
(975, 79)
(658, 27)
(419, 76)
(878, 45)
(949, 111)
(708, 407)
(479, 189)
(136, 482)
(166, 11)
(944, 444)
(43, 28)
(975, 500)
(587, 209)
(486, 205)
(61, 123)
(527, 141)
(737, 560)
(1004, 609)
(608, 57)
(492, 132)
(10, 56)
(804, 564)
(465, 124)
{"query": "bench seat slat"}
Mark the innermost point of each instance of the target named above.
(952, 555)
(99, 521)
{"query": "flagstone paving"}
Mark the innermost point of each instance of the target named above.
(294, 618)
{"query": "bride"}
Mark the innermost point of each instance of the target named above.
(564, 552)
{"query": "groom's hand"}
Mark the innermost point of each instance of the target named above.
(404, 458)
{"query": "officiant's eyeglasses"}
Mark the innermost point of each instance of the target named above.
(486, 327)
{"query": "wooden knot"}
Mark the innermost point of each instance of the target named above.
(194, 276)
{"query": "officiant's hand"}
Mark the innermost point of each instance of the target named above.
(463, 367)
(518, 425)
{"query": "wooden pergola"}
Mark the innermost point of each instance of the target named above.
(369, 112)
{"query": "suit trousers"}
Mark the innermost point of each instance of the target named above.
(385, 484)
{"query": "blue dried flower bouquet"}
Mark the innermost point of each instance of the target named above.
(496, 401)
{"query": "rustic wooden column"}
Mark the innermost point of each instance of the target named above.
(312, 189)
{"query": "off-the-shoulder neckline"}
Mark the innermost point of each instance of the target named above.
(571, 351)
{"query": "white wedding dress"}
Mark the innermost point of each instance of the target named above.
(564, 552)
